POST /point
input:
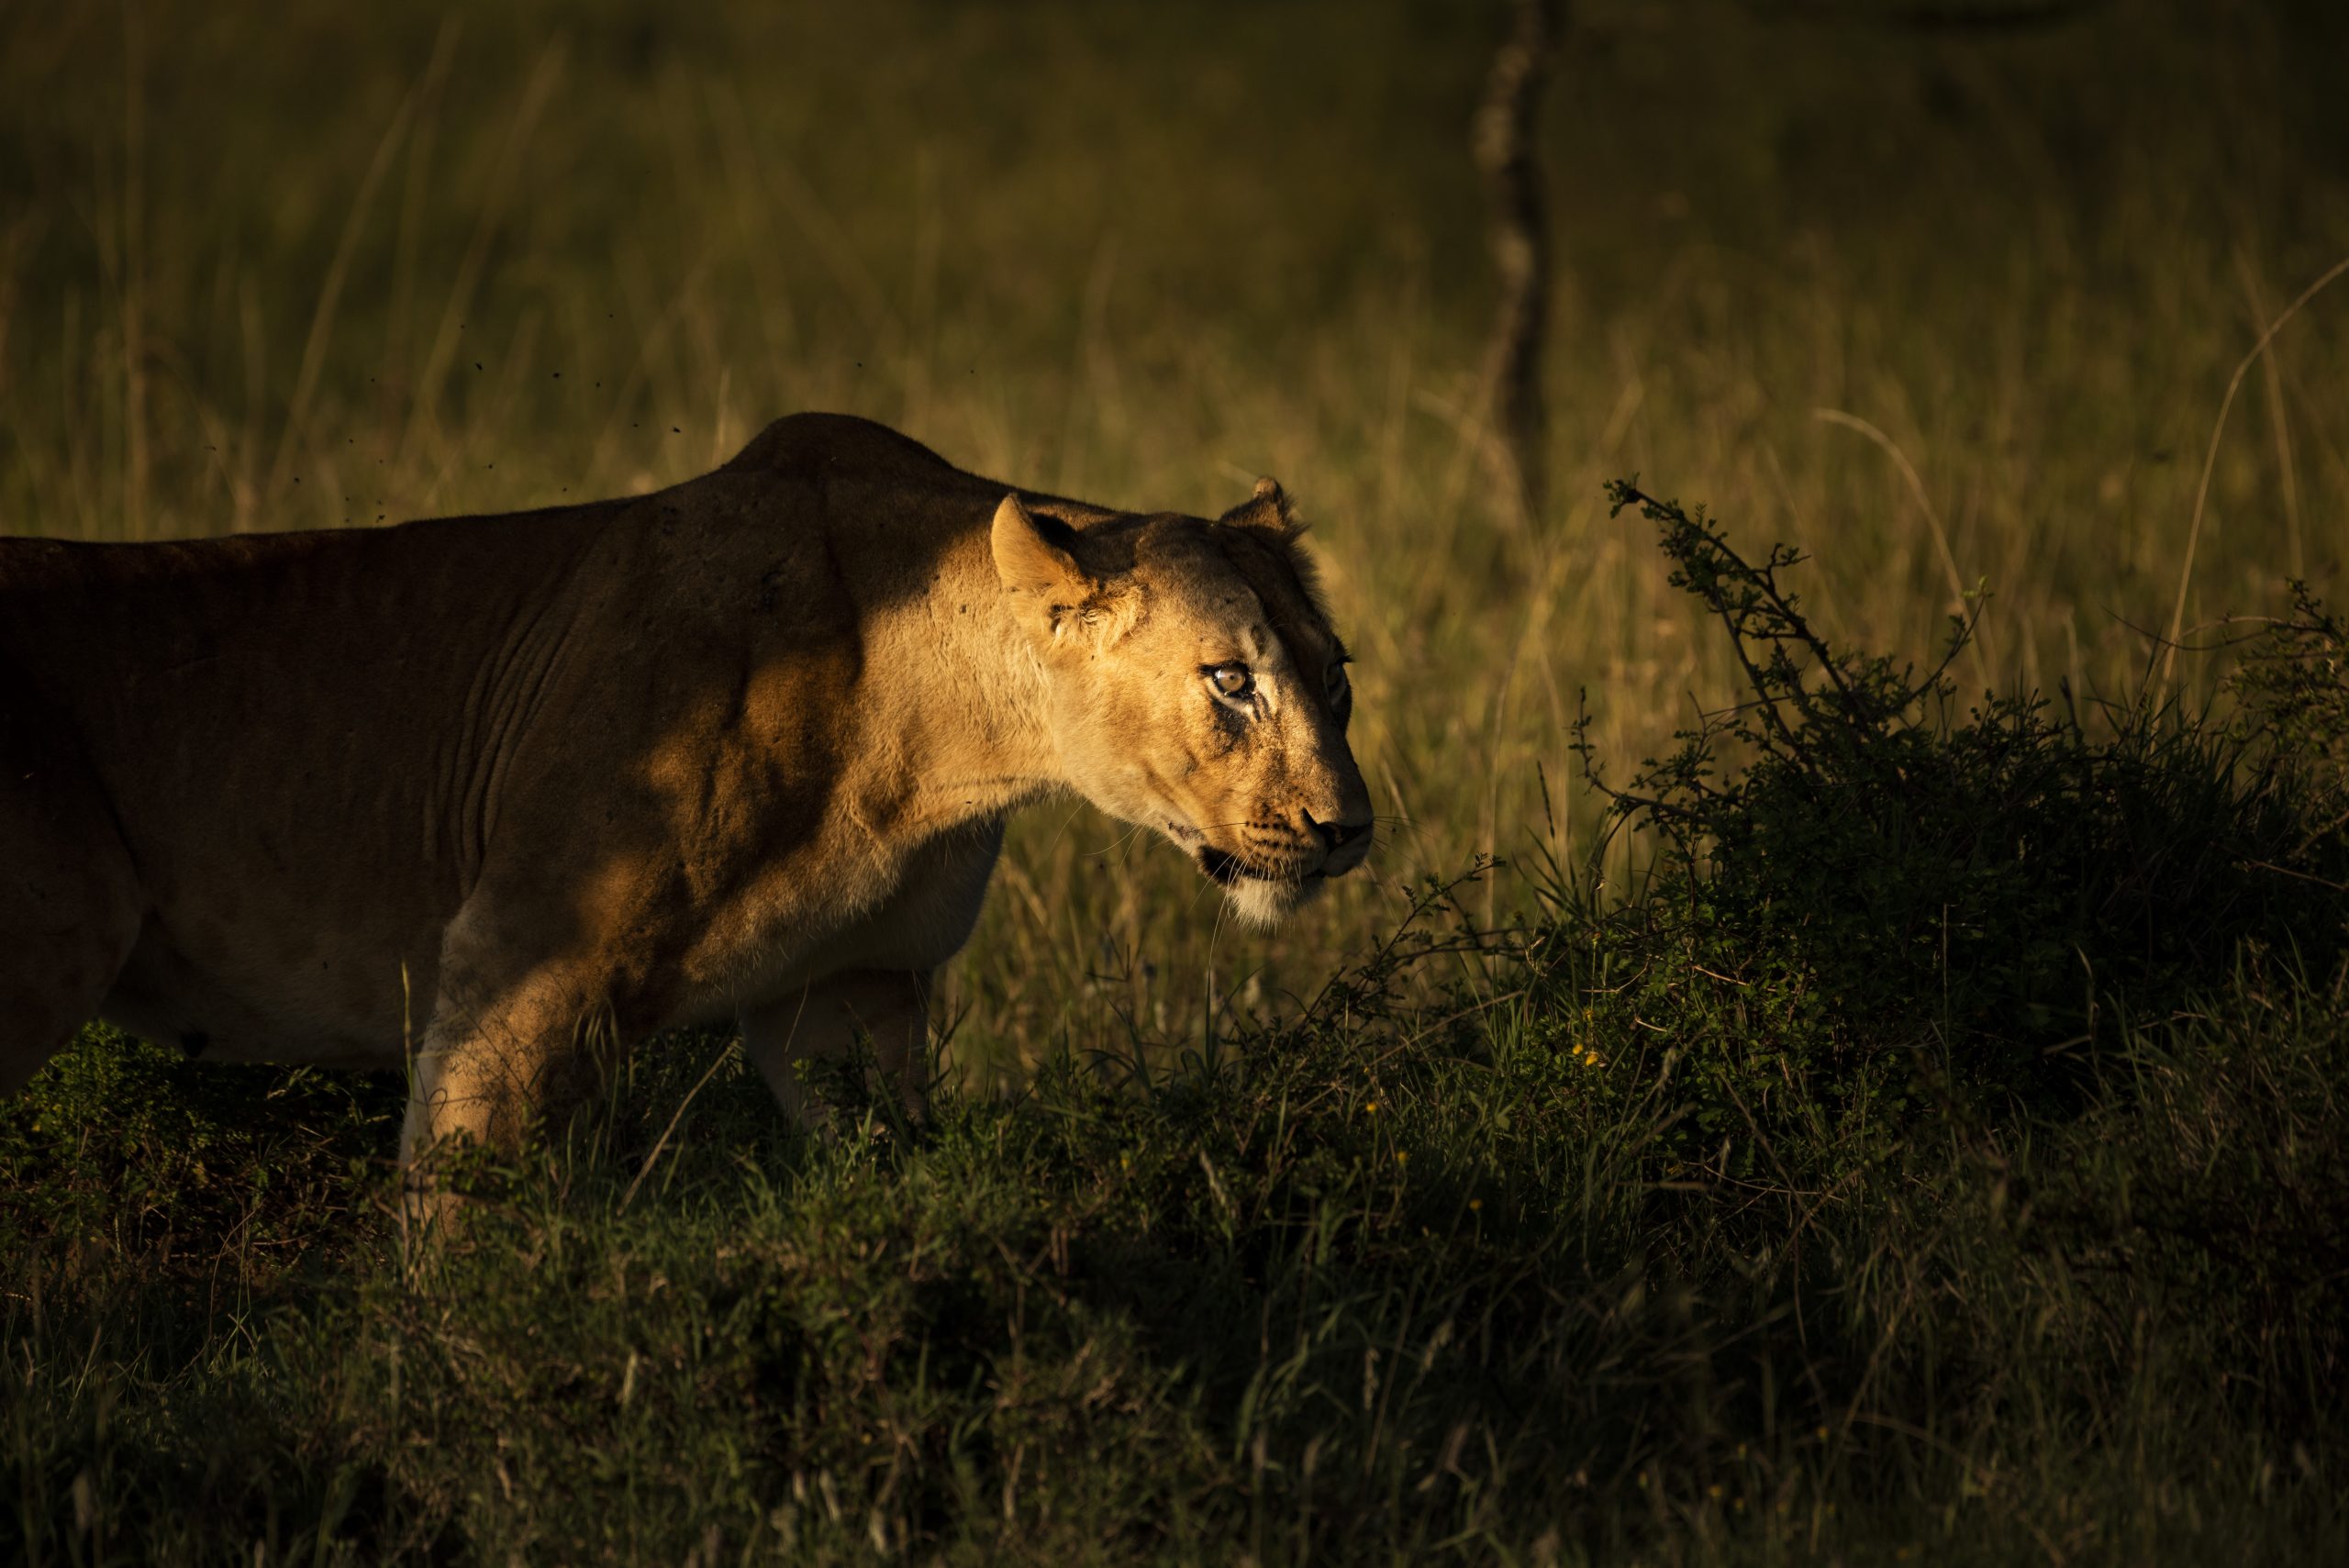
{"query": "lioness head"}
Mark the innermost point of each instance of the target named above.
(1194, 686)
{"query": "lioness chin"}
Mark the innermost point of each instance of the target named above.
(470, 793)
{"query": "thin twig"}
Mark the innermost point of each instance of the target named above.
(662, 1142)
(2210, 457)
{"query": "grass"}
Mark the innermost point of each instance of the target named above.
(1211, 1253)
(1378, 1284)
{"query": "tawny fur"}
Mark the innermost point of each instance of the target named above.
(479, 794)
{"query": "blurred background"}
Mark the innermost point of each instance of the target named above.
(1947, 294)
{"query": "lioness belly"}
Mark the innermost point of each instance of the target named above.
(330, 1009)
(300, 995)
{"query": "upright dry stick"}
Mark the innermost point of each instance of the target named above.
(1506, 133)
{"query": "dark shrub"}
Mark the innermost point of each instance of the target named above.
(1871, 896)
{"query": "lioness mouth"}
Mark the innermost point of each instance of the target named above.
(1223, 868)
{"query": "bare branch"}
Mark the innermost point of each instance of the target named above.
(1506, 135)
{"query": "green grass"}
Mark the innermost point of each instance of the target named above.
(1671, 1199)
(1378, 1290)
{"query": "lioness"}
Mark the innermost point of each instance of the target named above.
(475, 792)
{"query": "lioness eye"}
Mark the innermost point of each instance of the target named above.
(1338, 683)
(1231, 680)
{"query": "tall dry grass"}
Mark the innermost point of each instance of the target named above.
(1954, 312)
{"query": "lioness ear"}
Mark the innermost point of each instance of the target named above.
(1268, 508)
(1033, 562)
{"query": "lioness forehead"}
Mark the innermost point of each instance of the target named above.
(1220, 568)
(1285, 583)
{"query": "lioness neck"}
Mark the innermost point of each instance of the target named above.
(956, 696)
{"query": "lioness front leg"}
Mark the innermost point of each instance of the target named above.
(485, 1075)
(824, 1022)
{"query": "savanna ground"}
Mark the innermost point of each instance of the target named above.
(1909, 1125)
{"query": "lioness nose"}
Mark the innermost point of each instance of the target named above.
(1337, 835)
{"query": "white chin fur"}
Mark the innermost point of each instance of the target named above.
(1263, 905)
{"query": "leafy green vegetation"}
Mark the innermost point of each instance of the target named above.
(1866, 903)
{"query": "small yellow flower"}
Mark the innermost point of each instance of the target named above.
(1370, 1107)
(1402, 1156)
(1475, 1203)
(1590, 1059)
(1714, 1491)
